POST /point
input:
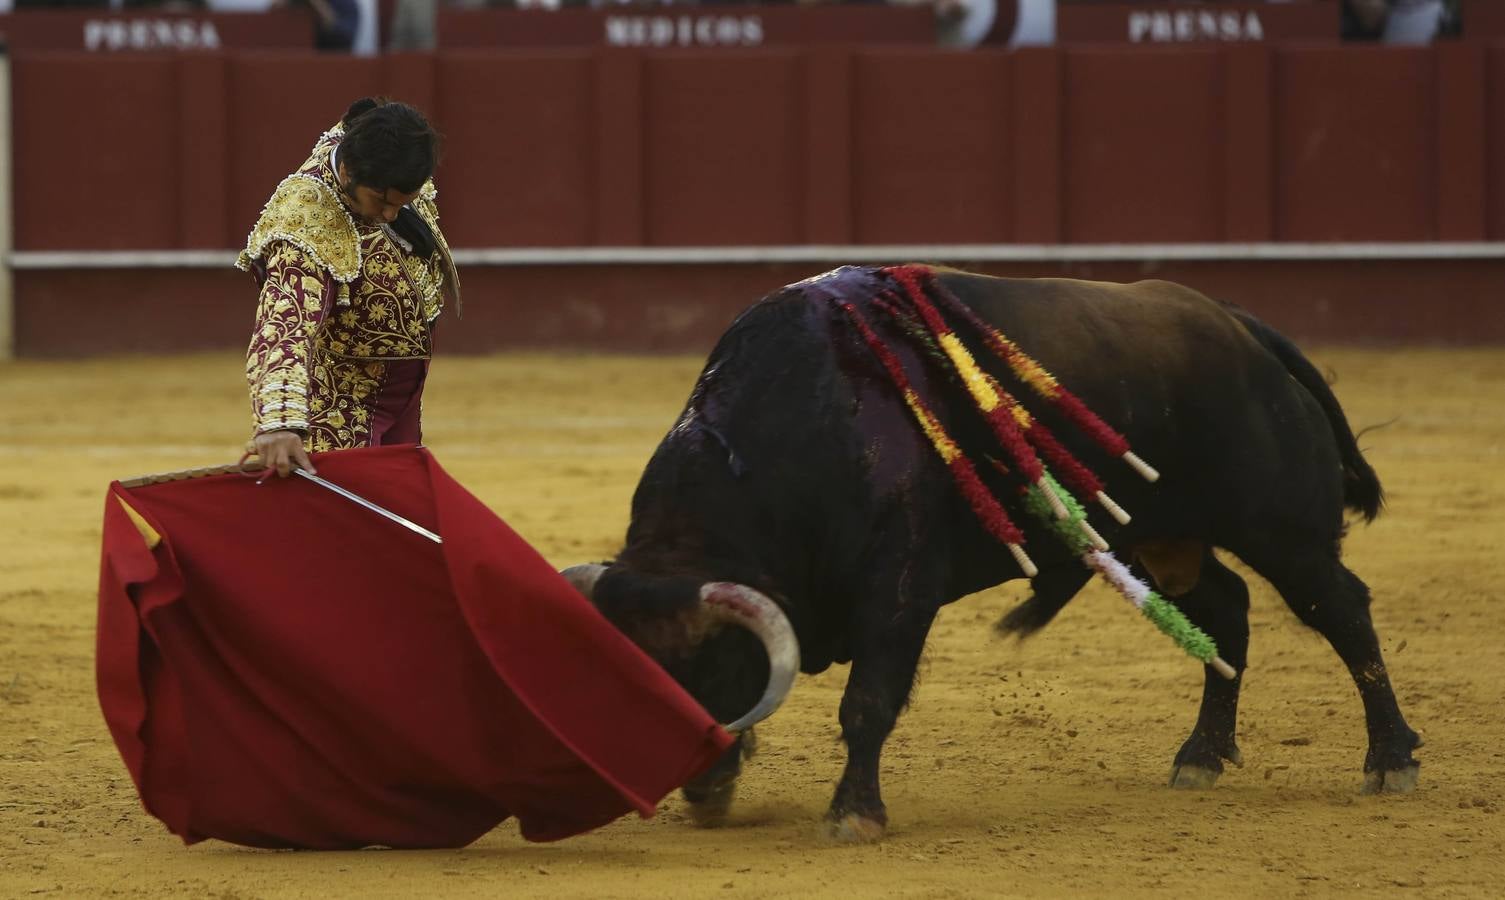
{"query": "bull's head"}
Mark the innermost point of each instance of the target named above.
(679, 622)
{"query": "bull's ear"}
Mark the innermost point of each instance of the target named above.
(584, 578)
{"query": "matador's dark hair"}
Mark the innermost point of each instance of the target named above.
(388, 145)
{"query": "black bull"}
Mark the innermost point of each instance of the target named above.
(796, 470)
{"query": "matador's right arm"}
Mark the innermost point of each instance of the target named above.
(294, 300)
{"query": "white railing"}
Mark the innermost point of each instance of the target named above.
(814, 253)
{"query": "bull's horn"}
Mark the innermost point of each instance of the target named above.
(584, 578)
(746, 607)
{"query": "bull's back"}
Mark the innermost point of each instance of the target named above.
(1236, 437)
(1079, 325)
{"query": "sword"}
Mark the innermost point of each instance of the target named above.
(356, 498)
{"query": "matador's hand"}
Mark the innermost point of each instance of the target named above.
(281, 450)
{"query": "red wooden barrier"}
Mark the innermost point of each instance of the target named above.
(722, 147)
(930, 155)
(96, 146)
(1461, 164)
(578, 148)
(1036, 127)
(1354, 139)
(1483, 19)
(1494, 117)
(1143, 140)
(1248, 149)
(519, 163)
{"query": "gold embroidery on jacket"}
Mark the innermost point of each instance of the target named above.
(343, 392)
(427, 207)
(340, 301)
(305, 211)
(287, 316)
(388, 316)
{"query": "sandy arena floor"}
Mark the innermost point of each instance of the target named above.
(1021, 770)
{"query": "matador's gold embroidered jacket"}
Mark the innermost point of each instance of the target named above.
(344, 325)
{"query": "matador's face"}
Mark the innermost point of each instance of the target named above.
(372, 205)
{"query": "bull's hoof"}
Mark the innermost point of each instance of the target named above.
(1199, 762)
(709, 808)
(1393, 781)
(855, 829)
(1193, 778)
(1209, 753)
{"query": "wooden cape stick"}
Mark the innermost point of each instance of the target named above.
(254, 464)
(250, 465)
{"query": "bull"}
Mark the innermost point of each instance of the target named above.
(795, 495)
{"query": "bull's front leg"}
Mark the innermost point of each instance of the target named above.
(710, 793)
(884, 660)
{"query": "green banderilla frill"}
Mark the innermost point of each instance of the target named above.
(1069, 529)
(1171, 621)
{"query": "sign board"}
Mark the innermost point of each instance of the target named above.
(104, 31)
(690, 27)
(1171, 22)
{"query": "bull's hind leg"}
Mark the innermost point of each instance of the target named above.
(1219, 605)
(884, 659)
(1050, 591)
(1328, 597)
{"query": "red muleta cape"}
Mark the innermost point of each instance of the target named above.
(286, 669)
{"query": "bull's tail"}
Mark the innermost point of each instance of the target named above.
(1361, 486)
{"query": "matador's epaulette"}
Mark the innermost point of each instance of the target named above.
(305, 212)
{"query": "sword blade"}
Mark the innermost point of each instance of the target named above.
(356, 498)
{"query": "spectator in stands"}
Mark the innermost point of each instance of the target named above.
(359, 36)
(353, 272)
(335, 22)
(413, 25)
(1364, 20)
(1399, 21)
